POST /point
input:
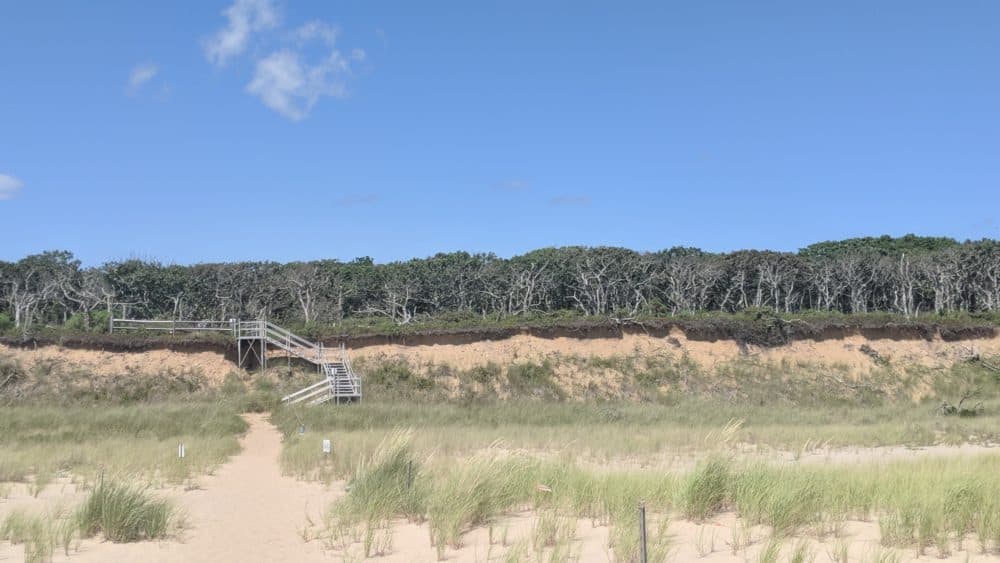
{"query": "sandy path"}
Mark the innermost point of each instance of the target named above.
(246, 511)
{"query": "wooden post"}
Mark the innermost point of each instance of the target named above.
(642, 533)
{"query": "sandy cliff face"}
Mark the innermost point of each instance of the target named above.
(845, 351)
(213, 365)
(576, 362)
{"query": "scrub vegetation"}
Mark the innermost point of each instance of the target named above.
(910, 277)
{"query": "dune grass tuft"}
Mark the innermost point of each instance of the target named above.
(33, 531)
(928, 505)
(705, 490)
(124, 512)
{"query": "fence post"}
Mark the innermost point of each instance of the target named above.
(642, 533)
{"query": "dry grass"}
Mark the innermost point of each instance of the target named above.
(42, 443)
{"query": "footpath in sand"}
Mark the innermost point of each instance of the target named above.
(246, 511)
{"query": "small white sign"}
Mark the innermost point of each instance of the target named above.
(327, 448)
(180, 451)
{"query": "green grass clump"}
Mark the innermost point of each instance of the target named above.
(785, 499)
(385, 485)
(706, 489)
(475, 492)
(124, 513)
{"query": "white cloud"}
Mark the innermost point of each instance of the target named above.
(317, 30)
(9, 186)
(292, 88)
(304, 67)
(246, 17)
(140, 75)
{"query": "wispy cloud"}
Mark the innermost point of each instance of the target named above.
(245, 17)
(140, 75)
(317, 30)
(9, 186)
(356, 199)
(511, 186)
(570, 200)
(290, 87)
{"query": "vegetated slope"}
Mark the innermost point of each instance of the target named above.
(636, 362)
(655, 367)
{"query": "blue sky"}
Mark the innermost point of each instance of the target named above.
(284, 130)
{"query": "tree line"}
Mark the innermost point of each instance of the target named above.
(909, 276)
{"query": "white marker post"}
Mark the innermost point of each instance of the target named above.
(181, 451)
(327, 448)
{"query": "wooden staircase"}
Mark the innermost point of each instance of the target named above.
(339, 381)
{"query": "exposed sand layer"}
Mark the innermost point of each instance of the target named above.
(847, 354)
(846, 351)
(212, 365)
(579, 377)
